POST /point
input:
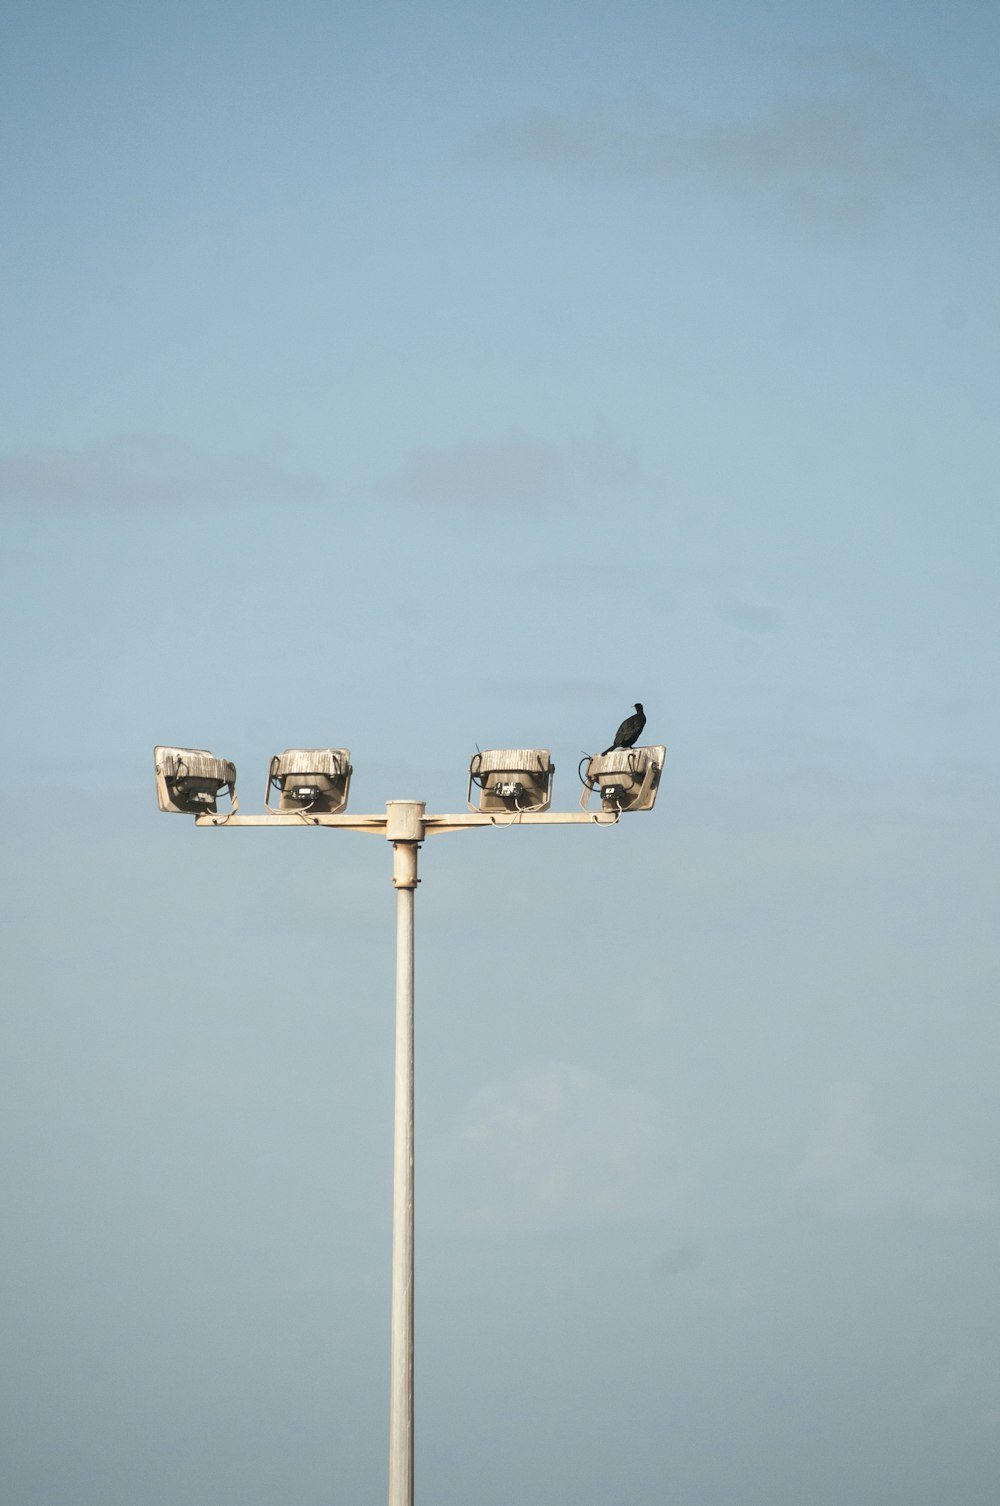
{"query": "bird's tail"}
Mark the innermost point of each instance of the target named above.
(609, 750)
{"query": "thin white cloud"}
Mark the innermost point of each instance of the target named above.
(144, 470)
(851, 130)
(965, 1394)
(554, 1146)
(677, 1260)
(751, 617)
(847, 1175)
(515, 470)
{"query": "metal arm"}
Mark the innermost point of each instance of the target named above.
(431, 825)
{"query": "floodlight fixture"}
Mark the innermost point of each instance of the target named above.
(626, 779)
(511, 780)
(313, 780)
(189, 780)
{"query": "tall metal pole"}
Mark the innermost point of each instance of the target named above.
(406, 824)
(404, 828)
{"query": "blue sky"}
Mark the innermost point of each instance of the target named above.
(409, 378)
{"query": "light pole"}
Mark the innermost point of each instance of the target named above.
(515, 789)
(403, 816)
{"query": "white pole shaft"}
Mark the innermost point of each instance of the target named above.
(401, 1358)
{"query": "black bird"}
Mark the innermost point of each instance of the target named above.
(630, 731)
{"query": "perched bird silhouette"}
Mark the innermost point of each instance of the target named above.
(630, 731)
